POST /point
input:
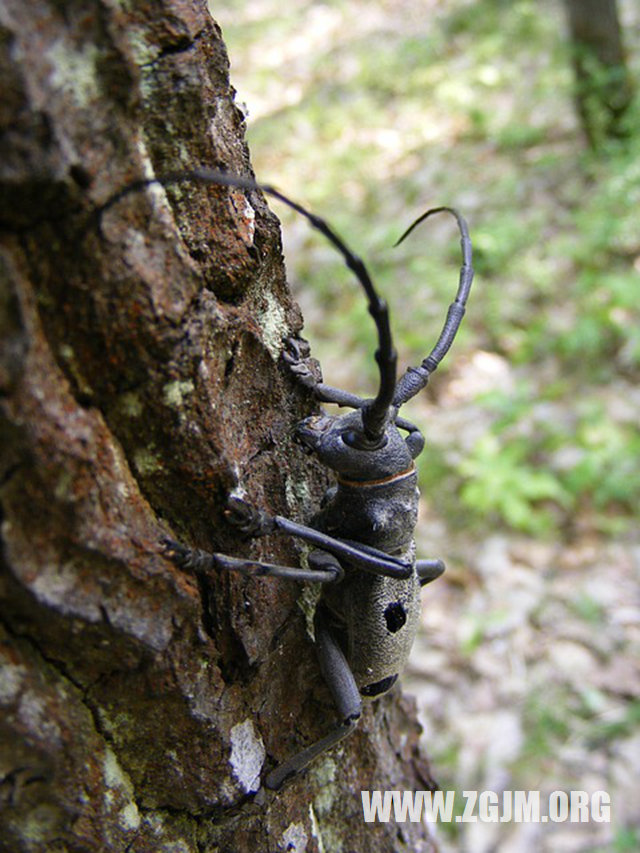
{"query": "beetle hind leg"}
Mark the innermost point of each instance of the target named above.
(289, 769)
(342, 684)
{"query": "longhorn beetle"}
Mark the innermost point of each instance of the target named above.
(364, 555)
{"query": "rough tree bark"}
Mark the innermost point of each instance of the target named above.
(603, 86)
(140, 380)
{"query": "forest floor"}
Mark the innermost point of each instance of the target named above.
(527, 672)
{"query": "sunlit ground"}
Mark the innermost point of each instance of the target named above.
(527, 672)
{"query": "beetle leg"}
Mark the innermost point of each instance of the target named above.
(363, 557)
(297, 355)
(307, 371)
(328, 394)
(428, 570)
(276, 779)
(202, 562)
(343, 687)
(254, 522)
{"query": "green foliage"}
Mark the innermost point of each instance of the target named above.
(501, 480)
(608, 468)
(538, 481)
(627, 840)
(588, 609)
(626, 727)
(546, 721)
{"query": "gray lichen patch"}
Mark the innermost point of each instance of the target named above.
(247, 755)
(119, 792)
(308, 601)
(325, 773)
(295, 838)
(74, 71)
(273, 322)
(12, 677)
(146, 461)
(114, 775)
(35, 716)
(58, 586)
(175, 392)
(129, 817)
(297, 493)
(131, 404)
(315, 829)
(144, 50)
(328, 835)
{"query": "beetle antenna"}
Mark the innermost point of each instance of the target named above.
(415, 378)
(376, 412)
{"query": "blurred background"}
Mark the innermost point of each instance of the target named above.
(527, 672)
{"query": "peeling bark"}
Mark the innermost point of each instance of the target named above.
(139, 382)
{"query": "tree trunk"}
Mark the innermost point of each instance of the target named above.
(140, 381)
(603, 86)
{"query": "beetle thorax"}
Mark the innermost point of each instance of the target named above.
(380, 514)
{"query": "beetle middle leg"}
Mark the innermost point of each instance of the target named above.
(322, 567)
(253, 522)
(429, 570)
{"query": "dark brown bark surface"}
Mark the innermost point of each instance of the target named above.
(140, 381)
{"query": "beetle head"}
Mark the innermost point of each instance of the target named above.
(339, 442)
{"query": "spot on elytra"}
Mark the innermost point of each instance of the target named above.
(395, 616)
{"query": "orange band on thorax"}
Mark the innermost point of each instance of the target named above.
(360, 484)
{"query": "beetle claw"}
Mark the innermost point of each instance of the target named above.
(297, 355)
(248, 519)
(177, 553)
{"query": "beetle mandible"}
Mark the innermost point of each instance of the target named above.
(364, 552)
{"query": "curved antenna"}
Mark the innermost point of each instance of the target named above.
(375, 413)
(415, 378)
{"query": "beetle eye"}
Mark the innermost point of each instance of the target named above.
(350, 438)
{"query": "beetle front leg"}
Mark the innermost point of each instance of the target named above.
(307, 371)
